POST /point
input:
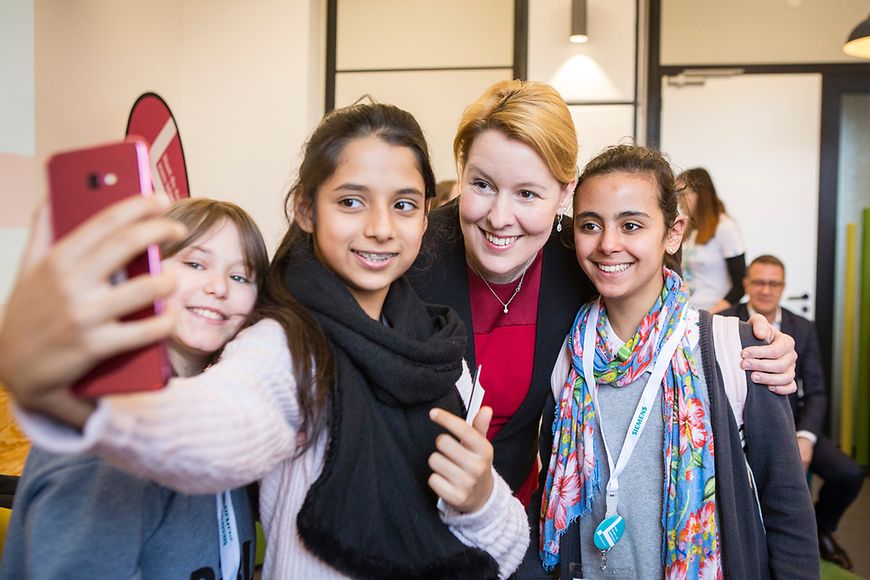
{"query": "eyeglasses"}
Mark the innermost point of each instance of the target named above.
(773, 284)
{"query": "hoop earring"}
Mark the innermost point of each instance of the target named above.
(559, 222)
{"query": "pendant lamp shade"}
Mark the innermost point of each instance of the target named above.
(859, 41)
(578, 21)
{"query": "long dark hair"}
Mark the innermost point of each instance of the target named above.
(708, 207)
(313, 362)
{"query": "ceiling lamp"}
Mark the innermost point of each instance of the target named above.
(859, 41)
(578, 22)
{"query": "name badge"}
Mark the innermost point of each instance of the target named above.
(609, 532)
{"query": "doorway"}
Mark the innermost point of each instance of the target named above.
(844, 194)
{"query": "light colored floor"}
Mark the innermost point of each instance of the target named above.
(854, 531)
(853, 534)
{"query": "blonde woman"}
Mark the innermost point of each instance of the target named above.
(500, 256)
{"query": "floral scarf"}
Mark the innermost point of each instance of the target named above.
(690, 546)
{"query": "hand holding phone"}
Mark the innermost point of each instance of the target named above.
(81, 183)
(45, 341)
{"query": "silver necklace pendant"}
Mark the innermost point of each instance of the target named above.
(514, 295)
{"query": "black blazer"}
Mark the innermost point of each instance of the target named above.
(440, 276)
(811, 407)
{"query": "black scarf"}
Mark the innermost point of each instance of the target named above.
(371, 513)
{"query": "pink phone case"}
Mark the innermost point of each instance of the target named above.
(81, 183)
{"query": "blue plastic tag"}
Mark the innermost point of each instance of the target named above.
(609, 532)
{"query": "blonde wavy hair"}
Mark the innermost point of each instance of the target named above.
(530, 112)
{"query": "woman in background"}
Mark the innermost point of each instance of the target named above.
(714, 254)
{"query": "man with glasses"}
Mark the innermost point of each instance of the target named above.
(842, 477)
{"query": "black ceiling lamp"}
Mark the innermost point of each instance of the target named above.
(859, 41)
(578, 22)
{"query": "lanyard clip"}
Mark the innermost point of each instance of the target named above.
(612, 499)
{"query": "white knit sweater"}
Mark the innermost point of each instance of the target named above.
(237, 423)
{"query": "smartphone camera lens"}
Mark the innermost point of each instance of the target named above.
(96, 181)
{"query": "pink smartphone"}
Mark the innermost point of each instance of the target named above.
(81, 183)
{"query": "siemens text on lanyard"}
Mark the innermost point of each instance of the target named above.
(611, 529)
(228, 534)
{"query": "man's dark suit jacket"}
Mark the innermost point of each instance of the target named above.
(810, 409)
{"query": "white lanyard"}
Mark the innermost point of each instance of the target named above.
(644, 406)
(228, 537)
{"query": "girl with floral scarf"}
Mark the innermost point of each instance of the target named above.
(633, 464)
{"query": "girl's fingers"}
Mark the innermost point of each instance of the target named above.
(474, 463)
(450, 471)
(107, 222)
(482, 420)
(61, 317)
(114, 338)
(783, 390)
(761, 328)
(772, 364)
(445, 490)
(462, 463)
(142, 291)
(782, 366)
(126, 244)
(782, 345)
(468, 435)
(39, 240)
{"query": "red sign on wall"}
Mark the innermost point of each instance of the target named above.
(151, 120)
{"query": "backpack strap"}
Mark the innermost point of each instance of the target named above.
(727, 344)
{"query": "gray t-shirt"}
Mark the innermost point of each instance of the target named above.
(639, 553)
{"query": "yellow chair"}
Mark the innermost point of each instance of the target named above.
(261, 546)
(5, 514)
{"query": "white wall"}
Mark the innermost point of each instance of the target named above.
(758, 31)
(17, 135)
(238, 77)
(436, 99)
(16, 70)
(390, 34)
(758, 135)
(415, 54)
(600, 70)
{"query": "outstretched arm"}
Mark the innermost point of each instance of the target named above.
(223, 428)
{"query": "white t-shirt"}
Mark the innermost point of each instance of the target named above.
(704, 267)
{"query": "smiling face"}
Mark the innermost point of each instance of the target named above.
(621, 238)
(213, 296)
(764, 284)
(509, 199)
(368, 219)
